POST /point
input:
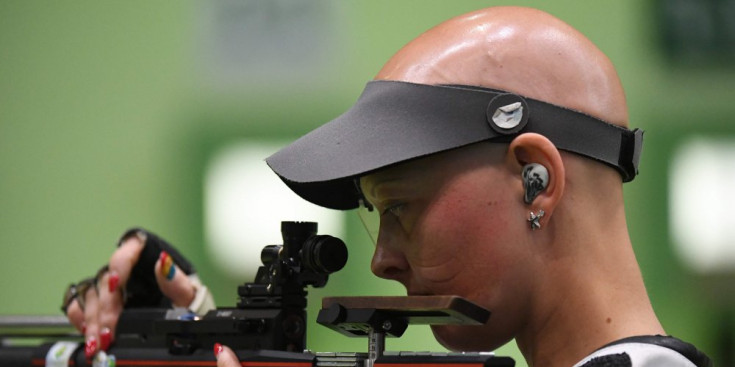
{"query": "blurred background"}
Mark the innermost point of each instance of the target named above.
(159, 114)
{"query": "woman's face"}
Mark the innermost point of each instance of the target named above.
(454, 224)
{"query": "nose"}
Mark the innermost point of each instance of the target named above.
(389, 262)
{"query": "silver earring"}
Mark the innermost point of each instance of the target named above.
(535, 179)
(534, 218)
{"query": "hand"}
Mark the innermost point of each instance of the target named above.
(225, 356)
(95, 312)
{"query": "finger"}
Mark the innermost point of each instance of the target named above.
(124, 259)
(225, 356)
(173, 283)
(109, 308)
(75, 315)
(91, 313)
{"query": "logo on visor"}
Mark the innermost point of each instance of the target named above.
(508, 117)
(507, 113)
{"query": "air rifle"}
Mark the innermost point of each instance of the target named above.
(266, 328)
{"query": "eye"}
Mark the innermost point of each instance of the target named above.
(395, 209)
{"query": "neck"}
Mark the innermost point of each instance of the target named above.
(591, 294)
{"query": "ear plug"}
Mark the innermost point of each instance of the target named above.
(535, 179)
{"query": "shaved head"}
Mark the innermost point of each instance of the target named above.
(520, 50)
(503, 49)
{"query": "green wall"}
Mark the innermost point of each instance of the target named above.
(108, 116)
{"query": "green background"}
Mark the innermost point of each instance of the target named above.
(109, 115)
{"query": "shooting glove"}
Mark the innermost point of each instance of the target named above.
(142, 289)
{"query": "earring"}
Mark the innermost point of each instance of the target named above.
(535, 179)
(534, 218)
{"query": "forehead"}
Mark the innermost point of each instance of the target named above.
(436, 167)
(419, 170)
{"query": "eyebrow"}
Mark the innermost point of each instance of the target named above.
(398, 174)
(377, 184)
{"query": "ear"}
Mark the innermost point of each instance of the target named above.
(534, 148)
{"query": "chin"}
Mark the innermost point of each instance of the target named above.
(460, 338)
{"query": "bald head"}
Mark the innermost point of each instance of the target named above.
(410, 115)
(521, 50)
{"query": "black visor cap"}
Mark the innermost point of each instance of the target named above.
(395, 121)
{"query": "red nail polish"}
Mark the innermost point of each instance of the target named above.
(84, 328)
(217, 349)
(105, 339)
(90, 347)
(113, 281)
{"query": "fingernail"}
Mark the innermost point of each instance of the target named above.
(105, 339)
(84, 328)
(167, 266)
(90, 347)
(113, 281)
(217, 349)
